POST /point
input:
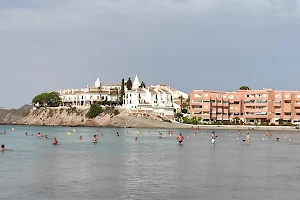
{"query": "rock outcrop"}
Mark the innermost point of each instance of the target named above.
(77, 117)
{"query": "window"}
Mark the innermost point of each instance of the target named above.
(261, 101)
(218, 101)
(225, 101)
(236, 102)
(206, 95)
(298, 96)
(224, 96)
(287, 113)
(205, 101)
(264, 95)
(230, 97)
(219, 95)
(278, 95)
(287, 101)
(287, 95)
(277, 101)
(195, 107)
(277, 114)
(197, 95)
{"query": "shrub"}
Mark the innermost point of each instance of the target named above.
(192, 120)
(94, 111)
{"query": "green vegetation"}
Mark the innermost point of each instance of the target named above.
(122, 91)
(191, 120)
(142, 85)
(129, 84)
(51, 99)
(244, 87)
(96, 110)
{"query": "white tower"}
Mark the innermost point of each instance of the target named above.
(136, 83)
(97, 83)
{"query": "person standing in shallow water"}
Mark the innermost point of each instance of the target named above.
(213, 137)
(247, 138)
(118, 134)
(54, 141)
(180, 138)
(95, 139)
(2, 147)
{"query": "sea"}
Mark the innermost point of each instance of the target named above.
(120, 168)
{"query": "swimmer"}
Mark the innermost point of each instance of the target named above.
(180, 138)
(213, 137)
(136, 139)
(54, 142)
(195, 134)
(32, 134)
(95, 139)
(247, 138)
(46, 137)
(2, 147)
(80, 137)
(40, 135)
(160, 135)
(277, 139)
(26, 134)
(118, 134)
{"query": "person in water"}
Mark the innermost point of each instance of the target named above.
(2, 147)
(180, 138)
(240, 134)
(160, 135)
(95, 139)
(213, 137)
(118, 134)
(136, 139)
(195, 134)
(26, 134)
(54, 141)
(46, 137)
(247, 138)
(80, 137)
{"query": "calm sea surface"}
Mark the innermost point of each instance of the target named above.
(152, 168)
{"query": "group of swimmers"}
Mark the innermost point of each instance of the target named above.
(179, 138)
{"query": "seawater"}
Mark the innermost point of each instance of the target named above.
(152, 168)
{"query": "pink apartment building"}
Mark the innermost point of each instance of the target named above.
(250, 106)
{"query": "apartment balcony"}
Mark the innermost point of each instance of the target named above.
(196, 103)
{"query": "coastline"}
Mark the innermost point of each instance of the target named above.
(168, 125)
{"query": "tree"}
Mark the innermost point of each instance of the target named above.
(94, 111)
(181, 100)
(244, 87)
(51, 99)
(122, 91)
(129, 84)
(142, 85)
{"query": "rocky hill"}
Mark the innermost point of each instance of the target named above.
(13, 116)
(77, 117)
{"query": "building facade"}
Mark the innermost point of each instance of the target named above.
(151, 99)
(89, 95)
(250, 106)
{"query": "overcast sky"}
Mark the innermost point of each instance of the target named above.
(189, 44)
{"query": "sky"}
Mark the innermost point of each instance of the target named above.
(189, 44)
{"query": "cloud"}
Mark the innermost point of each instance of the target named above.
(189, 44)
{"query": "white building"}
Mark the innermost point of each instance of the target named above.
(90, 95)
(149, 99)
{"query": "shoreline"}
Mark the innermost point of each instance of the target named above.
(177, 126)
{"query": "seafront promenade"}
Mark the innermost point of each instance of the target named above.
(245, 127)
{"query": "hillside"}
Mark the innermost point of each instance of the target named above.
(77, 117)
(14, 115)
